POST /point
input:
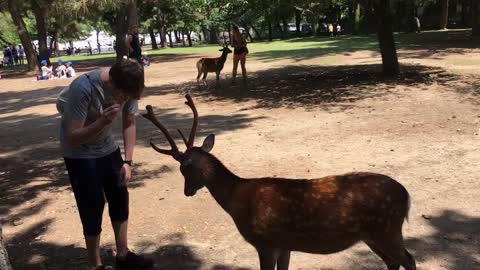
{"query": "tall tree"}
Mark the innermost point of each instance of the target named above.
(475, 14)
(14, 7)
(386, 41)
(444, 17)
(40, 9)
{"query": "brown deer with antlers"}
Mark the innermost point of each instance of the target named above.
(206, 65)
(277, 216)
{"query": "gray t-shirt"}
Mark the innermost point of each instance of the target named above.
(86, 100)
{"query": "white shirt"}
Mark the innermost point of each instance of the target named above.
(71, 71)
(46, 70)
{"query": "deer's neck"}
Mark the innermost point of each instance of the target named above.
(223, 57)
(222, 184)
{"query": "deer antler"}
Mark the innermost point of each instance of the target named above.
(172, 152)
(191, 138)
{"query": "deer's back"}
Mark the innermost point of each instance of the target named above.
(210, 64)
(339, 210)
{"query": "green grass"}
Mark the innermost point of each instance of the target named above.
(305, 48)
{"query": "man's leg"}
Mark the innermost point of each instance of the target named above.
(120, 229)
(118, 200)
(93, 250)
(90, 203)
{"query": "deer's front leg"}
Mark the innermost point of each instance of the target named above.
(218, 79)
(283, 260)
(268, 258)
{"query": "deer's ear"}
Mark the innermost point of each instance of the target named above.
(208, 143)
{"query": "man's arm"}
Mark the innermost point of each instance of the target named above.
(77, 133)
(129, 134)
(129, 137)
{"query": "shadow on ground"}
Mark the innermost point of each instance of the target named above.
(328, 87)
(455, 242)
(30, 153)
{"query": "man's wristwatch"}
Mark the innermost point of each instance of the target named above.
(129, 162)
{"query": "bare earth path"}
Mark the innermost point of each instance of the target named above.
(297, 118)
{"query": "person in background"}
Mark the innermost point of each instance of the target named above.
(339, 29)
(6, 56)
(134, 45)
(21, 54)
(70, 70)
(61, 70)
(418, 26)
(330, 29)
(145, 60)
(46, 71)
(89, 48)
(239, 53)
(14, 54)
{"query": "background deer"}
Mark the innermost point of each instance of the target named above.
(206, 65)
(277, 216)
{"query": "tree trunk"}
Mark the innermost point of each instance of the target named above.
(189, 38)
(257, 34)
(41, 12)
(120, 34)
(4, 261)
(163, 37)
(475, 13)
(213, 36)
(22, 31)
(298, 20)
(152, 38)
(132, 13)
(285, 27)
(269, 22)
(205, 33)
(354, 17)
(170, 38)
(52, 43)
(248, 33)
(385, 38)
(444, 18)
(280, 29)
(175, 33)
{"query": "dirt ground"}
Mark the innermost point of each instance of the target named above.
(298, 118)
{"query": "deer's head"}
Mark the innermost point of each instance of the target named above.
(225, 49)
(196, 163)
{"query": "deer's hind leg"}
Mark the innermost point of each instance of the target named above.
(271, 257)
(392, 250)
(198, 76)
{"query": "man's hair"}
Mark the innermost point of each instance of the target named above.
(127, 75)
(235, 28)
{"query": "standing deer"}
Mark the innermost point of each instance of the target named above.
(277, 216)
(205, 65)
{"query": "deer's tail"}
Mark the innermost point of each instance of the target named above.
(199, 65)
(409, 204)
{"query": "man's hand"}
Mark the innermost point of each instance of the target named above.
(110, 113)
(125, 174)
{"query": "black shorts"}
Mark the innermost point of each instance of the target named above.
(93, 181)
(240, 50)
